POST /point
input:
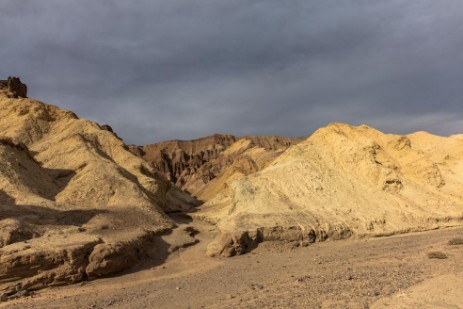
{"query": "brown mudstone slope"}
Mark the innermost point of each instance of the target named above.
(204, 166)
(75, 203)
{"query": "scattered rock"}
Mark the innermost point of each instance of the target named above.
(257, 286)
(437, 255)
(22, 293)
(456, 241)
(302, 279)
(191, 231)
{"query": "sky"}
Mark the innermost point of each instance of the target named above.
(181, 69)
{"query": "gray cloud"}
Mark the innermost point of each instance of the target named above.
(160, 70)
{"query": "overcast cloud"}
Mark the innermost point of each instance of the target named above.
(157, 70)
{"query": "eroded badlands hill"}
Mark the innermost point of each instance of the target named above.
(339, 182)
(75, 203)
(205, 166)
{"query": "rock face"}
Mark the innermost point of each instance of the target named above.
(204, 166)
(342, 181)
(75, 203)
(13, 88)
(178, 160)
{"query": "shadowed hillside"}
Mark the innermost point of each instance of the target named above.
(75, 202)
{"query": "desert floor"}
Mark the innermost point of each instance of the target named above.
(389, 272)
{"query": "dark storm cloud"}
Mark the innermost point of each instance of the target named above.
(160, 70)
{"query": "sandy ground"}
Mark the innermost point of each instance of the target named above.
(391, 272)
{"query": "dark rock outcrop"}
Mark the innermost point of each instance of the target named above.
(13, 88)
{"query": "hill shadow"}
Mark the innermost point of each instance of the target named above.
(56, 181)
(38, 215)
